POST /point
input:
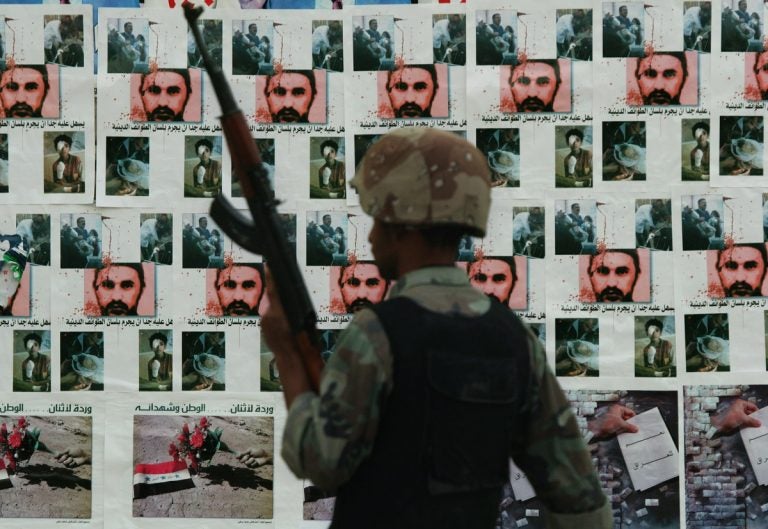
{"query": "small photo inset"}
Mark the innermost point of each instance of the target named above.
(663, 78)
(496, 37)
(449, 39)
(502, 150)
(15, 277)
(742, 25)
(80, 239)
(695, 150)
(167, 94)
(616, 275)
(467, 249)
(528, 234)
(203, 242)
(502, 278)
(82, 361)
(702, 222)
(575, 227)
(4, 170)
(697, 26)
(741, 145)
(208, 467)
(236, 290)
(211, 30)
(53, 460)
(573, 156)
(156, 233)
(623, 29)
(328, 45)
(653, 223)
(120, 289)
(252, 49)
(292, 96)
(32, 360)
(267, 154)
(756, 76)
(623, 150)
(63, 162)
(203, 361)
(374, 46)
(536, 85)
(327, 170)
(127, 166)
(326, 238)
(35, 230)
(737, 271)
(128, 45)
(155, 360)
(573, 34)
(202, 166)
(577, 347)
(707, 345)
(29, 91)
(655, 346)
(63, 40)
(413, 91)
(356, 286)
(270, 377)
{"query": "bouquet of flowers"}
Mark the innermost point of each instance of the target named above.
(198, 445)
(18, 445)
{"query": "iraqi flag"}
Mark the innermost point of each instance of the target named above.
(5, 479)
(158, 478)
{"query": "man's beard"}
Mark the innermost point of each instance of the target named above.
(534, 104)
(358, 304)
(22, 110)
(764, 94)
(164, 114)
(661, 97)
(240, 308)
(497, 298)
(117, 308)
(613, 295)
(289, 115)
(741, 289)
(411, 110)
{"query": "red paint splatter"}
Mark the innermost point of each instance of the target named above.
(107, 259)
(229, 259)
(91, 308)
(213, 309)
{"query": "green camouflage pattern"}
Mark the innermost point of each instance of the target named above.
(327, 436)
(423, 176)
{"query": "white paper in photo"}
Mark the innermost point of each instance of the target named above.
(650, 453)
(67, 108)
(521, 487)
(756, 443)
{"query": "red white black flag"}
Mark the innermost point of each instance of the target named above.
(158, 478)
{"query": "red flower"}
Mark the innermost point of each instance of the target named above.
(14, 440)
(22, 422)
(185, 429)
(11, 461)
(197, 438)
(182, 438)
(204, 423)
(173, 451)
(193, 463)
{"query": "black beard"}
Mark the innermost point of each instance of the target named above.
(22, 110)
(411, 110)
(289, 115)
(764, 93)
(240, 308)
(613, 295)
(661, 97)
(497, 298)
(117, 308)
(534, 104)
(164, 114)
(358, 304)
(741, 289)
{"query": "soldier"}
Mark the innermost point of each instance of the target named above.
(429, 393)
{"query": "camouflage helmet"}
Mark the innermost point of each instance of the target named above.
(425, 177)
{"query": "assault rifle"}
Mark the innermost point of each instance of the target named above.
(263, 234)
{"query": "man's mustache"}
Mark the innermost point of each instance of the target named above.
(288, 115)
(410, 110)
(743, 289)
(611, 294)
(239, 308)
(162, 114)
(116, 308)
(359, 304)
(532, 104)
(21, 110)
(660, 97)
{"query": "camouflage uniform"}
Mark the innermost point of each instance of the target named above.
(327, 436)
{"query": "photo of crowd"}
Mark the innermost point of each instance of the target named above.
(63, 40)
(373, 43)
(326, 238)
(203, 242)
(128, 50)
(252, 47)
(623, 29)
(496, 37)
(81, 243)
